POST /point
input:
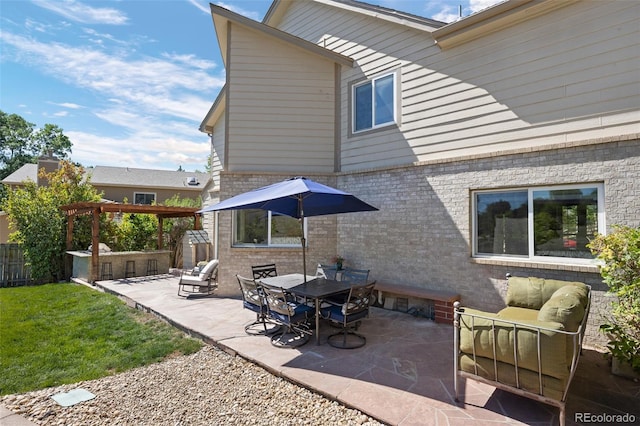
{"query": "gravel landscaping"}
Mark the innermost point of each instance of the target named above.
(209, 387)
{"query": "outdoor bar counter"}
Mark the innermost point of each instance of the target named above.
(82, 263)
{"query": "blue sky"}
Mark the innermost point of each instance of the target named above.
(129, 81)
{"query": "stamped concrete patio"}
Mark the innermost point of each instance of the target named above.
(402, 376)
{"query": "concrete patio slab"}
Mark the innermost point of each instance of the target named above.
(402, 376)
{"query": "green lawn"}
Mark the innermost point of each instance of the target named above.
(65, 333)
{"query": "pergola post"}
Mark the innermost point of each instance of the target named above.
(68, 261)
(95, 245)
(160, 232)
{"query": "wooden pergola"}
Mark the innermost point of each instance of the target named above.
(96, 208)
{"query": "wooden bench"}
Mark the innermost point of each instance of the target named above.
(442, 299)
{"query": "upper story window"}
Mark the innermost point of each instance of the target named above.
(144, 197)
(538, 223)
(265, 229)
(374, 103)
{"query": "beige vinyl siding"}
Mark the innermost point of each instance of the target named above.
(217, 150)
(565, 76)
(281, 106)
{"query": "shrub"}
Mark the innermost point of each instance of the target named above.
(620, 254)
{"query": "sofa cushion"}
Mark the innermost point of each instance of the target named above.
(209, 269)
(495, 330)
(525, 292)
(552, 387)
(566, 306)
(533, 292)
(513, 313)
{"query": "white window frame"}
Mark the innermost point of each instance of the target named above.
(269, 243)
(372, 81)
(155, 197)
(601, 221)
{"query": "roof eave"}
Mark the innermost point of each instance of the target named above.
(276, 11)
(222, 17)
(214, 113)
(493, 19)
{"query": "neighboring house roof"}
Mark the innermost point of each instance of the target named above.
(26, 172)
(123, 177)
(127, 176)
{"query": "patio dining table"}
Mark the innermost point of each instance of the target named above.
(315, 288)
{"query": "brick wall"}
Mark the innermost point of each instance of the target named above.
(422, 234)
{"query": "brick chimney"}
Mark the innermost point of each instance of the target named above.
(50, 163)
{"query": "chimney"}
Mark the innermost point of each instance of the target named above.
(50, 163)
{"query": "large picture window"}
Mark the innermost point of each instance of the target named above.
(265, 229)
(550, 222)
(374, 103)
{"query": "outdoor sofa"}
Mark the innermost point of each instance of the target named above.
(531, 347)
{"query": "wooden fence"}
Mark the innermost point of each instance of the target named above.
(13, 271)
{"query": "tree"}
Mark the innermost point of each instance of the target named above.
(20, 144)
(15, 137)
(51, 140)
(40, 224)
(174, 229)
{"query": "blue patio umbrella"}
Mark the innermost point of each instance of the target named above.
(297, 197)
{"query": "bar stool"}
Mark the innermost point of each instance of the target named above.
(130, 269)
(107, 271)
(152, 266)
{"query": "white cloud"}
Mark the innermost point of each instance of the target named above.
(79, 12)
(447, 14)
(67, 105)
(155, 85)
(203, 7)
(100, 37)
(138, 150)
(155, 103)
(478, 5)
(191, 60)
(232, 7)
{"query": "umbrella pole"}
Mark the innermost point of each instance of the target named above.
(303, 240)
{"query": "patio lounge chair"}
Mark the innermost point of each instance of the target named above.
(202, 284)
(531, 347)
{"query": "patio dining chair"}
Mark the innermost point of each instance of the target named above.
(348, 316)
(326, 271)
(253, 299)
(291, 315)
(264, 271)
(353, 277)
